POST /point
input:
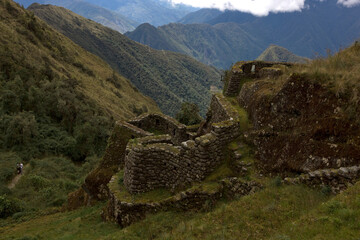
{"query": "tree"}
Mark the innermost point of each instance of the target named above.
(189, 114)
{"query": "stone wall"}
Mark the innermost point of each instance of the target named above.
(337, 179)
(243, 71)
(95, 185)
(162, 123)
(125, 213)
(153, 165)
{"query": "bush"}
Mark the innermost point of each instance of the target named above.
(189, 114)
(8, 206)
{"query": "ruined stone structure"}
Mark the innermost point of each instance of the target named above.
(337, 179)
(245, 71)
(127, 212)
(178, 157)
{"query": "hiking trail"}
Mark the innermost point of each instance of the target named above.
(16, 179)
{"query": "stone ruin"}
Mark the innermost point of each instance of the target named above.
(245, 71)
(174, 159)
(178, 157)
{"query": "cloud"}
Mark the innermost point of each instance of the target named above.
(256, 7)
(349, 3)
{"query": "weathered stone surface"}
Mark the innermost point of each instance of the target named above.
(336, 179)
(170, 165)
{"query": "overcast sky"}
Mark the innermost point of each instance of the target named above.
(257, 7)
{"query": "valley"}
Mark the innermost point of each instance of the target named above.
(121, 140)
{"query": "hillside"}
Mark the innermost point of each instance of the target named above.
(169, 78)
(233, 35)
(200, 16)
(326, 204)
(101, 15)
(220, 45)
(147, 11)
(279, 54)
(53, 91)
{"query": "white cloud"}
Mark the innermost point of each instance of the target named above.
(349, 3)
(256, 7)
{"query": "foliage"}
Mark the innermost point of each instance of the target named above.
(189, 114)
(169, 78)
(8, 206)
(58, 99)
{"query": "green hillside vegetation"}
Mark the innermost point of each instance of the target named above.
(58, 103)
(169, 78)
(277, 212)
(220, 45)
(101, 15)
(279, 54)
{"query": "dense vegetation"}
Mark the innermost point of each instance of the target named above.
(169, 78)
(58, 105)
(279, 54)
(189, 114)
(101, 15)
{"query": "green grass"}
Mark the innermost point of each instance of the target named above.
(118, 187)
(259, 216)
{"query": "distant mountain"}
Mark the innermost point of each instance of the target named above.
(169, 78)
(57, 98)
(219, 45)
(204, 15)
(279, 54)
(155, 12)
(101, 15)
(234, 35)
(321, 26)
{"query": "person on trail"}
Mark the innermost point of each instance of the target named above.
(18, 169)
(21, 167)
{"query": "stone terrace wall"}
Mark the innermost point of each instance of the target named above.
(242, 71)
(125, 213)
(149, 166)
(162, 123)
(337, 179)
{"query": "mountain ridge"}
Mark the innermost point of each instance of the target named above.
(169, 78)
(101, 15)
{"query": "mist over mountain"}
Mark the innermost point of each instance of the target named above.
(154, 12)
(94, 12)
(233, 35)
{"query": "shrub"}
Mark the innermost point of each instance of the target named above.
(8, 206)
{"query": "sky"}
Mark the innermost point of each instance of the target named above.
(258, 7)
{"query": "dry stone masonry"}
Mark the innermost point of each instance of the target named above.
(337, 179)
(154, 162)
(245, 71)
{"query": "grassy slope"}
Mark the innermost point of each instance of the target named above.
(279, 54)
(169, 78)
(56, 100)
(27, 51)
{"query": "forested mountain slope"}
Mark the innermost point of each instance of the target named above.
(318, 28)
(56, 98)
(169, 78)
(219, 45)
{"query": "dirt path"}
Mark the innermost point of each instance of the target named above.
(16, 179)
